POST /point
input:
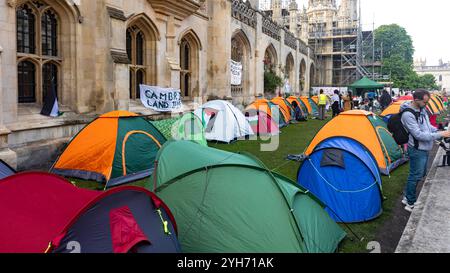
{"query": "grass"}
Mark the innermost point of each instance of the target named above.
(294, 140)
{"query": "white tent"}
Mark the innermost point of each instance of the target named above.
(223, 121)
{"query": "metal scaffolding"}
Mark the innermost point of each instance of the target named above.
(342, 51)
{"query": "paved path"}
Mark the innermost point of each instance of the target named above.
(428, 229)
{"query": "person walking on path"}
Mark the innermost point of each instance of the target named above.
(385, 100)
(421, 139)
(335, 103)
(323, 99)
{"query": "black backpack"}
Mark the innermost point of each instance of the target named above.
(399, 132)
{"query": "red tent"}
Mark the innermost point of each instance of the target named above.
(409, 97)
(45, 213)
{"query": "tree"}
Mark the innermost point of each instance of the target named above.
(428, 81)
(398, 51)
(394, 40)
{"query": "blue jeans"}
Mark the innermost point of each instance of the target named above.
(418, 161)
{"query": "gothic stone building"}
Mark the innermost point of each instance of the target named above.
(332, 32)
(96, 53)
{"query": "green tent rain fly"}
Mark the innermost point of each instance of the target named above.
(231, 203)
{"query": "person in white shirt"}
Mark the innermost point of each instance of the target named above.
(335, 103)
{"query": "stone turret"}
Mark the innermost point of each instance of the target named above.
(293, 22)
(348, 10)
(254, 4)
(277, 11)
(304, 25)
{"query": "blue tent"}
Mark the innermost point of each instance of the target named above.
(344, 175)
(5, 170)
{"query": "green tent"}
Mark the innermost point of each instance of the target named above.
(231, 203)
(165, 126)
(393, 153)
(366, 83)
(186, 127)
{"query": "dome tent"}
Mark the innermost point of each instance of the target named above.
(262, 117)
(223, 122)
(268, 107)
(45, 213)
(344, 175)
(285, 107)
(185, 127)
(299, 108)
(189, 127)
(313, 108)
(366, 128)
(392, 109)
(226, 202)
(116, 148)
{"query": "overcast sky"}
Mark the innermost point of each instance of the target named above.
(428, 22)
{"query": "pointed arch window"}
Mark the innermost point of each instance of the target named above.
(26, 30)
(38, 58)
(237, 55)
(27, 82)
(269, 63)
(49, 33)
(136, 53)
(140, 41)
(50, 79)
(185, 57)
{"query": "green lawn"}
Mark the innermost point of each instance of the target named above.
(294, 140)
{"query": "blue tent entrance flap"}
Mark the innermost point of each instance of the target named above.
(343, 174)
(333, 157)
(5, 170)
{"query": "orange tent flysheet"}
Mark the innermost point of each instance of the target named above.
(353, 124)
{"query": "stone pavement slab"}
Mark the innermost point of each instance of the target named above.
(428, 229)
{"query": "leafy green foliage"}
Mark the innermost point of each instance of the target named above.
(398, 51)
(271, 82)
(395, 41)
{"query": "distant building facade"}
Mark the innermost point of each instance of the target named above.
(441, 73)
(335, 34)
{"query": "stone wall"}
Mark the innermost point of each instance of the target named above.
(94, 74)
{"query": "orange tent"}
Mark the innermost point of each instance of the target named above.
(116, 148)
(261, 105)
(307, 104)
(437, 101)
(315, 99)
(393, 109)
(296, 100)
(266, 106)
(433, 105)
(285, 107)
(370, 131)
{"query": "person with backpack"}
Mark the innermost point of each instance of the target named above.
(412, 126)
